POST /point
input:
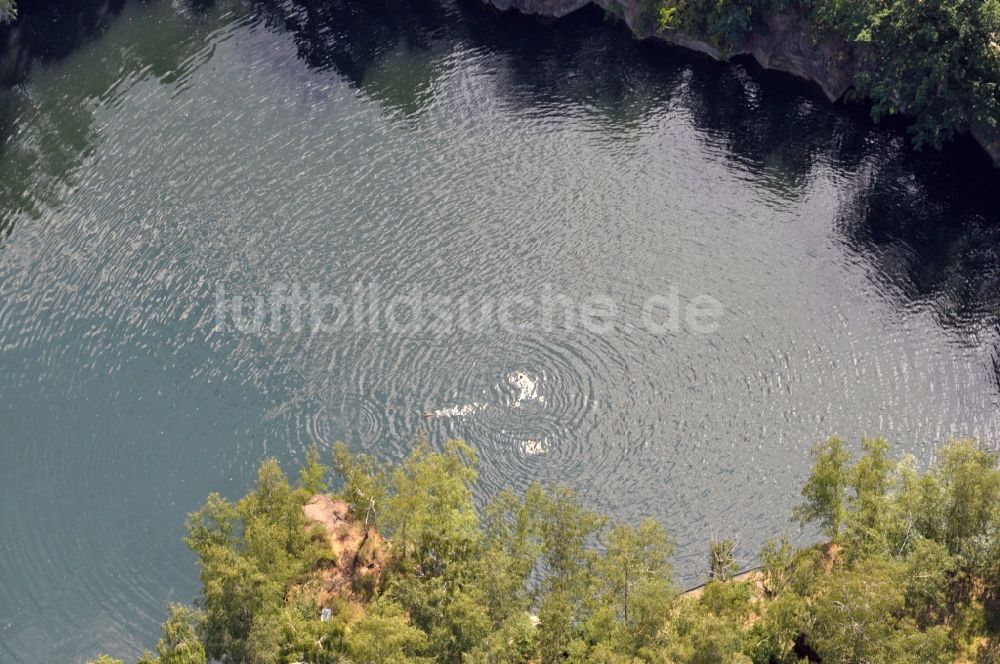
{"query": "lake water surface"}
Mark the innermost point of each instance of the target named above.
(156, 154)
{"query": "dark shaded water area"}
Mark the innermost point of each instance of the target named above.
(156, 155)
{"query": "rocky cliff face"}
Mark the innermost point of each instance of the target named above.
(990, 140)
(553, 8)
(789, 44)
(792, 45)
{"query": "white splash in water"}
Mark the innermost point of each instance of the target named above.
(533, 447)
(527, 388)
(455, 411)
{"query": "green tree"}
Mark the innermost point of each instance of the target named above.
(722, 564)
(825, 491)
(565, 528)
(725, 23)
(853, 614)
(235, 592)
(511, 549)
(699, 636)
(635, 576)
(936, 60)
(248, 554)
(312, 474)
(513, 641)
(384, 635)
(970, 479)
(430, 513)
(216, 524)
(364, 483)
(727, 599)
(183, 632)
(772, 638)
(777, 559)
(871, 475)
(635, 557)
(912, 576)
(873, 524)
(928, 573)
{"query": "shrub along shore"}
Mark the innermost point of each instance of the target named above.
(935, 61)
(399, 565)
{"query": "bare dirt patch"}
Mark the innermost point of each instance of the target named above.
(360, 556)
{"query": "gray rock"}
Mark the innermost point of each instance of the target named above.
(790, 43)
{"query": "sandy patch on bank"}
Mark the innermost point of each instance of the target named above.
(358, 555)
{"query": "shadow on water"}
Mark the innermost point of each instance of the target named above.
(386, 48)
(43, 33)
(49, 31)
(929, 230)
(47, 113)
(926, 223)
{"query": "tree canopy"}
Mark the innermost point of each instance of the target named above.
(909, 572)
(937, 61)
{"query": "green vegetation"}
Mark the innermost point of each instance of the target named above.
(8, 11)
(911, 572)
(936, 60)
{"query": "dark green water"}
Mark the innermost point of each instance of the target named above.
(154, 152)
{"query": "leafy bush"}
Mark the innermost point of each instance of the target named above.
(911, 573)
(935, 60)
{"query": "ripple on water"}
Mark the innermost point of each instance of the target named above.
(525, 401)
(508, 166)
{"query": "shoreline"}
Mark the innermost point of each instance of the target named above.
(790, 44)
